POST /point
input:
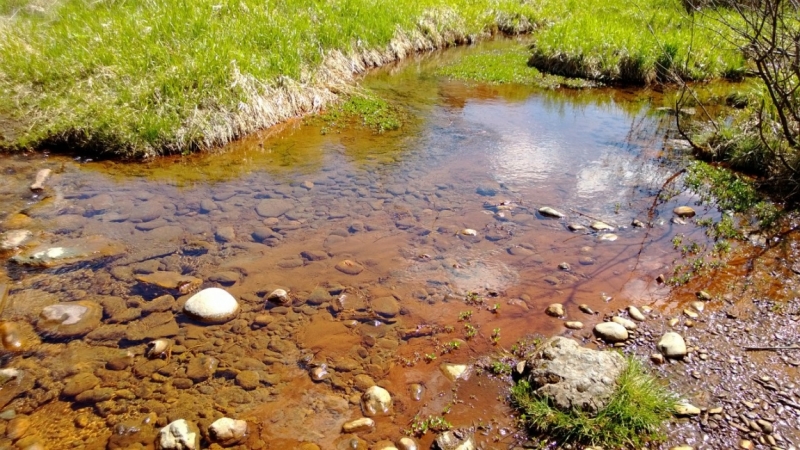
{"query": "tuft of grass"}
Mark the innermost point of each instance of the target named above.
(365, 110)
(612, 41)
(504, 66)
(632, 417)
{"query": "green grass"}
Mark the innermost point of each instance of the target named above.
(504, 66)
(138, 78)
(611, 41)
(365, 110)
(730, 192)
(632, 417)
(142, 78)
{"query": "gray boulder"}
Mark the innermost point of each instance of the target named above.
(573, 377)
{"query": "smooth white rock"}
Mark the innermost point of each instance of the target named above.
(635, 313)
(672, 345)
(212, 305)
(628, 324)
(611, 332)
(376, 401)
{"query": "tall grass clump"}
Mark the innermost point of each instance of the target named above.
(633, 42)
(141, 78)
(632, 417)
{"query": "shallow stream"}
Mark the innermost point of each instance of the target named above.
(284, 209)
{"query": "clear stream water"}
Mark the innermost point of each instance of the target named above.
(474, 156)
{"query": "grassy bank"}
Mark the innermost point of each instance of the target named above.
(632, 42)
(165, 76)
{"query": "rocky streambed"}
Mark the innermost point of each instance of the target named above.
(316, 289)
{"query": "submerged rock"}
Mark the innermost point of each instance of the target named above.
(455, 440)
(601, 226)
(555, 310)
(69, 252)
(178, 435)
(455, 371)
(273, 207)
(359, 425)
(213, 305)
(12, 239)
(573, 377)
(171, 281)
(64, 320)
(349, 267)
(41, 178)
(684, 211)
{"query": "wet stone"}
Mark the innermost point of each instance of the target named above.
(314, 255)
(349, 267)
(179, 435)
(635, 313)
(228, 432)
(376, 401)
(248, 380)
(10, 240)
(226, 278)
(555, 310)
(291, 262)
(212, 305)
(70, 252)
(80, 383)
(69, 319)
(159, 304)
(273, 207)
(672, 345)
(684, 211)
(686, 410)
(201, 368)
(550, 212)
(96, 395)
(359, 425)
(225, 234)
(628, 324)
(386, 306)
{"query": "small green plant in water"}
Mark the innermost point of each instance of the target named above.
(470, 331)
(420, 426)
(500, 368)
(473, 299)
(496, 336)
(632, 417)
(464, 315)
(364, 109)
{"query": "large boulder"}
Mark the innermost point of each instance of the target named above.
(573, 377)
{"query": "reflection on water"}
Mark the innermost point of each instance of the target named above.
(366, 232)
